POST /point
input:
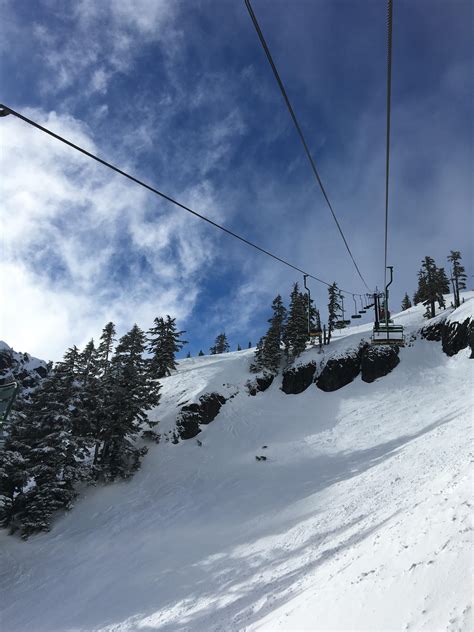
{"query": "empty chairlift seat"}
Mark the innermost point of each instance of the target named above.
(390, 334)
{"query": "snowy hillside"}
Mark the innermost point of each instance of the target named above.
(360, 518)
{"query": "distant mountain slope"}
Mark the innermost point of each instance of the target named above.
(22, 367)
(359, 518)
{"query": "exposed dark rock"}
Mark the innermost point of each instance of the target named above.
(339, 372)
(259, 384)
(41, 370)
(297, 379)
(433, 332)
(211, 404)
(23, 368)
(453, 336)
(264, 382)
(378, 361)
(193, 415)
(457, 336)
(187, 425)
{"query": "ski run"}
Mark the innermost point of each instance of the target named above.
(360, 518)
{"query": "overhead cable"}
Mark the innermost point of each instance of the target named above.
(301, 135)
(5, 110)
(387, 154)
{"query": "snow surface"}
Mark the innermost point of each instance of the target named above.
(360, 519)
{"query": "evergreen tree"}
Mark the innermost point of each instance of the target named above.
(268, 351)
(239, 348)
(134, 391)
(220, 345)
(201, 353)
(334, 307)
(188, 355)
(249, 345)
(295, 333)
(55, 460)
(164, 343)
(406, 303)
(87, 424)
(102, 401)
(432, 283)
(458, 275)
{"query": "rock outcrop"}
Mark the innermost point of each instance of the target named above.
(339, 372)
(260, 384)
(454, 336)
(457, 336)
(192, 416)
(378, 361)
(297, 379)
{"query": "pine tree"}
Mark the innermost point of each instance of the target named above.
(220, 345)
(87, 424)
(56, 457)
(134, 391)
(188, 355)
(334, 307)
(239, 348)
(201, 353)
(406, 303)
(432, 284)
(267, 355)
(249, 345)
(458, 275)
(164, 343)
(295, 333)
(103, 402)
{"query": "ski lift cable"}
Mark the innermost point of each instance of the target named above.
(387, 155)
(5, 110)
(300, 134)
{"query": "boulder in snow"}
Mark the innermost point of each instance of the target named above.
(193, 415)
(378, 361)
(297, 379)
(339, 372)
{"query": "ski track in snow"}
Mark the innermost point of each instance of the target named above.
(360, 519)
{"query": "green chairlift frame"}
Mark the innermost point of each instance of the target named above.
(385, 332)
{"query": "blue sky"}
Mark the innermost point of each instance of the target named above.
(180, 94)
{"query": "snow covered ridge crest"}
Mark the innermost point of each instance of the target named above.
(350, 355)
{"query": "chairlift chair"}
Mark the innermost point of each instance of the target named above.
(385, 332)
(355, 314)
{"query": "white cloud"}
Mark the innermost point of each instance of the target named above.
(81, 246)
(99, 39)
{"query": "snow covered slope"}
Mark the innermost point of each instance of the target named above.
(359, 519)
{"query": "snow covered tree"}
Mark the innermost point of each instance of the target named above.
(220, 345)
(134, 391)
(55, 460)
(406, 303)
(267, 355)
(13, 474)
(295, 334)
(458, 274)
(268, 351)
(432, 283)
(334, 307)
(164, 343)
